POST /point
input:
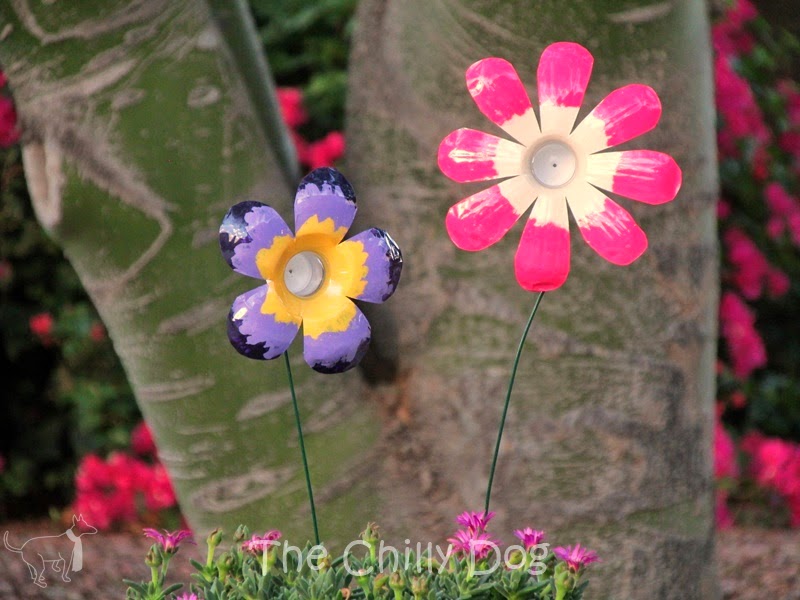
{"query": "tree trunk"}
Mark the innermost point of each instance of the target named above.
(608, 438)
(140, 131)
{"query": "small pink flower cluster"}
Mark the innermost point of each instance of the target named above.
(751, 273)
(260, 543)
(742, 124)
(312, 155)
(474, 540)
(9, 134)
(784, 212)
(737, 325)
(743, 135)
(775, 465)
(118, 489)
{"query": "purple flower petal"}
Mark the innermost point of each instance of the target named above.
(337, 349)
(324, 194)
(247, 228)
(260, 329)
(384, 263)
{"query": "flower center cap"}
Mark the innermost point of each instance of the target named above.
(304, 274)
(554, 164)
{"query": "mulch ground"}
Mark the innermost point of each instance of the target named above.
(754, 564)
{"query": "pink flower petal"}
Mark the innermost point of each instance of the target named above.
(643, 175)
(500, 95)
(542, 260)
(607, 227)
(563, 74)
(624, 114)
(484, 218)
(469, 155)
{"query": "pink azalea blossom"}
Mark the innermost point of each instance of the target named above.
(169, 540)
(745, 346)
(784, 212)
(290, 100)
(158, 491)
(737, 108)
(752, 273)
(529, 537)
(325, 152)
(142, 440)
(576, 557)
(41, 325)
(729, 35)
(9, 134)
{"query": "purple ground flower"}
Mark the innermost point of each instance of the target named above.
(169, 541)
(260, 543)
(473, 543)
(576, 557)
(475, 522)
(529, 537)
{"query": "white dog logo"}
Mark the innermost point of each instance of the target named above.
(64, 552)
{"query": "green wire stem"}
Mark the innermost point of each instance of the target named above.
(508, 399)
(302, 447)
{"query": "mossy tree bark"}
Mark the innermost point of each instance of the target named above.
(142, 124)
(608, 439)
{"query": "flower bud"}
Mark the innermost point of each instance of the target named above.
(419, 586)
(214, 538)
(380, 583)
(362, 577)
(396, 581)
(241, 534)
(370, 535)
(153, 558)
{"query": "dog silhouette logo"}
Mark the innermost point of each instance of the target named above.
(64, 552)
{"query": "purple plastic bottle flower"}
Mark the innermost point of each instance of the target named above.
(576, 557)
(311, 277)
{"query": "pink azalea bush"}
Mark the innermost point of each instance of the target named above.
(312, 155)
(758, 108)
(123, 488)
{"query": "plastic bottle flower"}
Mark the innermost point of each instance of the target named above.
(310, 277)
(554, 166)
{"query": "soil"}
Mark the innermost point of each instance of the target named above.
(754, 564)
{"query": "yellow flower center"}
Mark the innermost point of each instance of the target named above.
(311, 276)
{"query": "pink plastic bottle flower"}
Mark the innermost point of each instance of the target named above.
(552, 167)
